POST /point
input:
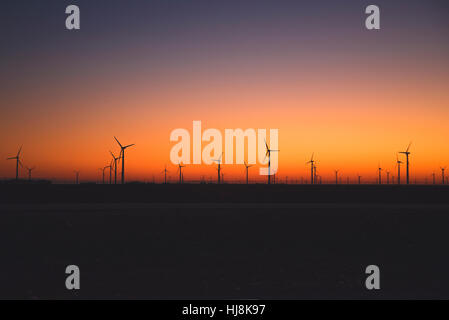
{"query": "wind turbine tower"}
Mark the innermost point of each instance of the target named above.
(18, 162)
(122, 154)
(115, 166)
(312, 162)
(247, 166)
(180, 166)
(398, 164)
(268, 153)
(29, 172)
(407, 153)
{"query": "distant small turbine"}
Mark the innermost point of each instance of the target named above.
(388, 177)
(247, 166)
(29, 172)
(380, 174)
(359, 178)
(336, 176)
(18, 162)
(180, 166)
(407, 153)
(77, 177)
(268, 153)
(398, 164)
(115, 165)
(433, 177)
(218, 161)
(165, 174)
(442, 174)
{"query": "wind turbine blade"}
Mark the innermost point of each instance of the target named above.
(266, 145)
(129, 145)
(408, 146)
(118, 142)
(20, 149)
(11, 158)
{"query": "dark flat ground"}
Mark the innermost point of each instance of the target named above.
(285, 245)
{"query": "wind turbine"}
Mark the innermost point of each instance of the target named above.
(269, 159)
(398, 164)
(380, 174)
(247, 166)
(360, 178)
(122, 153)
(180, 166)
(433, 177)
(218, 161)
(165, 174)
(29, 172)
(115, 166)
(336, 176)
(407, 153)
(77, 176)
(388, 177)
(17, 158)
(442, 174)
(311, 161)
(104, 168)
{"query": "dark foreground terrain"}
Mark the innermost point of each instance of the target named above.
(229, 241)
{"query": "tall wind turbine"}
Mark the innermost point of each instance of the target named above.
(442, 174)
(18, 162)
(311, 161)
(269, 159)
(218, 161)
(29, 172)
(407, 153)
(180, 166)
(122, 154)
(115, 165)
(247, 166)
(398, 164)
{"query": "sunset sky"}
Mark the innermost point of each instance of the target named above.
(139, 69)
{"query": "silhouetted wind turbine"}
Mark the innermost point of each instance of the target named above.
(407, 153)
(115, 166)
(336, 176)
(218, 161)
(165, 174)
(433, 177)
(388, 177)
(247, 166)
(17, 158)
(122, 154)
(398, 163)
(360, 178)
(29, 172)
(77, 176)
(104, 168)
(311, 161)
(268, 153)
(180, 166)
(442, 174)
(380, 174)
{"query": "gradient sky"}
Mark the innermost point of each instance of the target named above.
(139, 69)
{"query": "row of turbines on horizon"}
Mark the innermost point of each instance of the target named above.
(314, 178)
